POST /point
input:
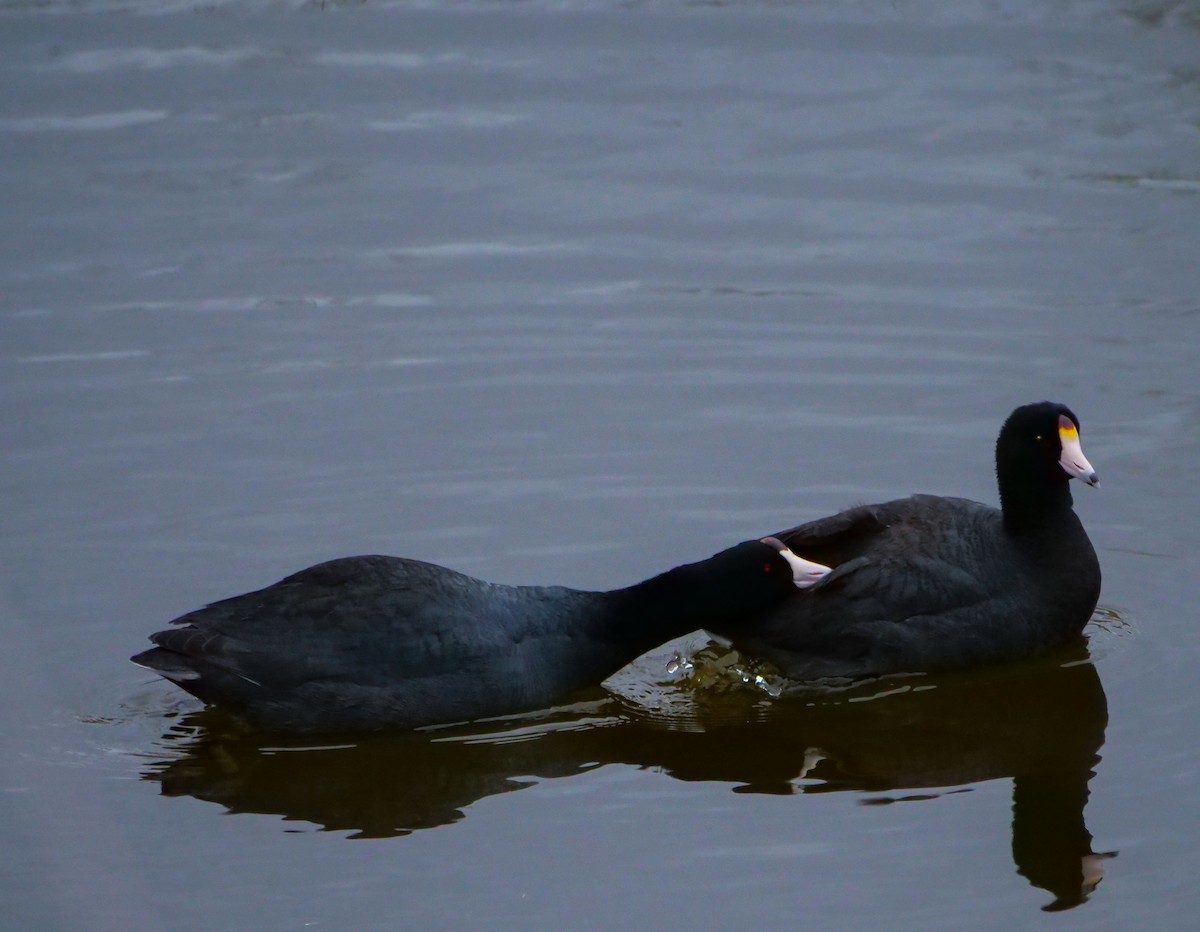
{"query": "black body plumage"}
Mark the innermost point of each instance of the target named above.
(376, 642)
(930, 583)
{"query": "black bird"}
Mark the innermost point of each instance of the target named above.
(374, 642)
(930, 583)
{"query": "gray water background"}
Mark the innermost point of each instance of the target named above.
(571, 293)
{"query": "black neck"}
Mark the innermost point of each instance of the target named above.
(1034, 493)
(667, 606)
(682, 600)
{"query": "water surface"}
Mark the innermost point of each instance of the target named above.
(571, 293)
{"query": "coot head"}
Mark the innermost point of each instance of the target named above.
(738, 583)
(1037, 454)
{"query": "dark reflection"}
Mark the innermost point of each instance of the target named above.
(1041, 724)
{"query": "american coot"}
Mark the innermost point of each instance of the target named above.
(374, 642)
(929, 583)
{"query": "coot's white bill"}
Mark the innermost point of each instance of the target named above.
(1073, 462)
(805, 573)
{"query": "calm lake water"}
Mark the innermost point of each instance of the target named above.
(571, 293)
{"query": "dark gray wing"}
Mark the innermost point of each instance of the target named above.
(905, 572)
(362, 617)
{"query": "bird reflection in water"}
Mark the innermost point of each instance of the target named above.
(1040, 723)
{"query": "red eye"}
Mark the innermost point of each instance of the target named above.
(767, 568)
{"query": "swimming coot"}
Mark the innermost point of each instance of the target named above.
(929, 583)
(374, 642)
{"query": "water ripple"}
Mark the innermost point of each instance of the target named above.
(86, 123)
(97, 61)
